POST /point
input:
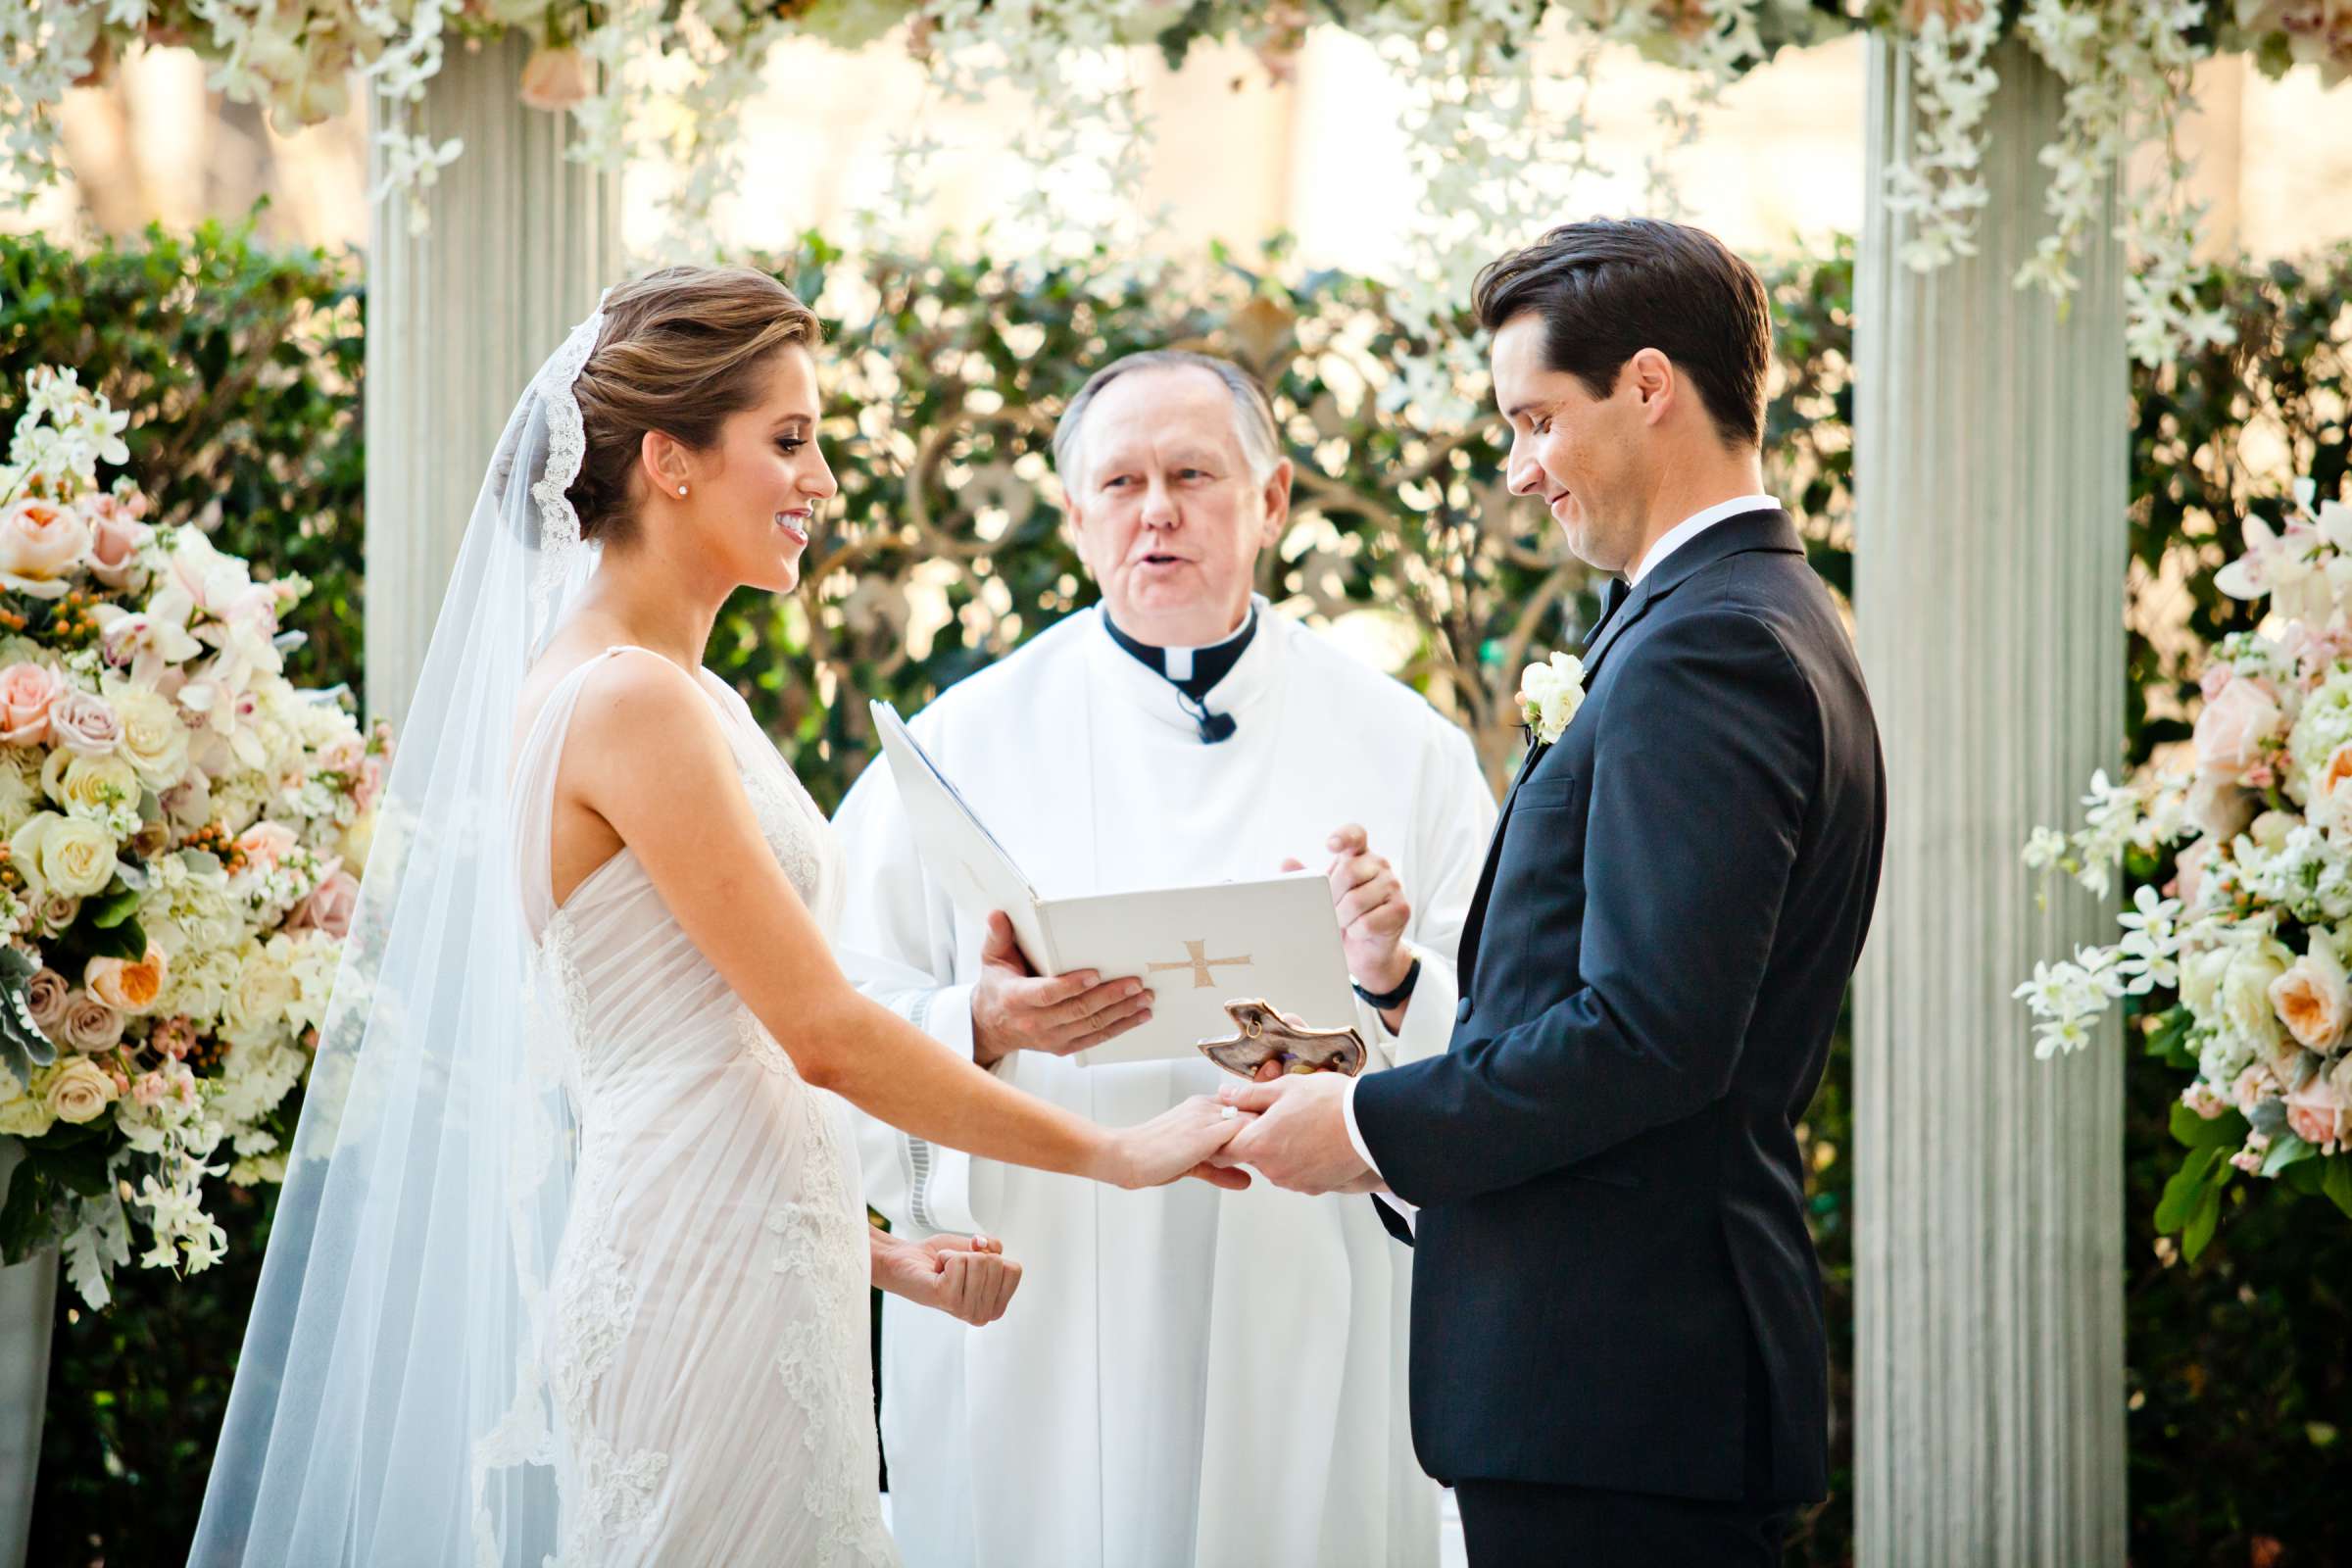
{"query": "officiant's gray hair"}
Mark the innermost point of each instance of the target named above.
(1252, 415)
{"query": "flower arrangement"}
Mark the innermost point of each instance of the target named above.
(1492, 130)
(2250, 935)
(180, 833)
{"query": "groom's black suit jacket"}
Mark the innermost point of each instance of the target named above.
(1611, 1251)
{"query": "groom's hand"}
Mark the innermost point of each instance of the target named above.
(1299, 1139)
(1013, 1009)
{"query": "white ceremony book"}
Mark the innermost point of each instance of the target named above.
(1198, 948)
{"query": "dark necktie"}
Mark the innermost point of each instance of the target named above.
(1610, 598)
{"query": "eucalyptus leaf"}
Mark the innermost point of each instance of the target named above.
(2286, 1149)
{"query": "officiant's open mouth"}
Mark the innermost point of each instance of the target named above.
(1163, 562)
(795, 525)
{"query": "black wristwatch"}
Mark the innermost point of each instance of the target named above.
(1383, 1001)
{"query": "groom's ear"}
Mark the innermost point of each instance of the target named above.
(1654, 382)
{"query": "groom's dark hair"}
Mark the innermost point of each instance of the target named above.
(1609, 287)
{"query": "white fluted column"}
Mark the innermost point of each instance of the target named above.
(1990, 445)
(28, 1316)
(522, 240)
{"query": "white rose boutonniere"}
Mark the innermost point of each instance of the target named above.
(1549, 694)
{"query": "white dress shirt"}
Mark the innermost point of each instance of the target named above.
(1673, 539)
(1690, 528)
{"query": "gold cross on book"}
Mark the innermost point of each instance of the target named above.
(1200, 964)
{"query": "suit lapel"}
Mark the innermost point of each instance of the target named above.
(1767, 528)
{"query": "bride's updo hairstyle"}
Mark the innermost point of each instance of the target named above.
(682, 350)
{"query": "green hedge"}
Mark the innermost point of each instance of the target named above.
(943, 554)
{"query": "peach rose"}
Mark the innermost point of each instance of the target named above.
(116, 539)
(554, 79)
(127, 986)
(2330, 798)
(2232, 726)
(85, 722)
(80, 1092)
(2312, 999)
(39, 541)
(27, 694)
(329, 909)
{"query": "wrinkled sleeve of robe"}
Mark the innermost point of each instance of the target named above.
(897, 944)
(1453, 813)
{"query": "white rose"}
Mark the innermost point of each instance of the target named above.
(89, 786)
(64, 854)
(265, 993)
(22, 1114)
(1549, 695)
(2201, 984)
(20, 792)
(79, 1091)
(2246, 994)
(154, 740)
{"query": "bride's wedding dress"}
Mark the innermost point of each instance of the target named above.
(706, 1341)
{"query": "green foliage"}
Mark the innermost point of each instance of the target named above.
(944, 553)
(241, 368)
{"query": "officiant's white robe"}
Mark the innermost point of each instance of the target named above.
(1187, 1376)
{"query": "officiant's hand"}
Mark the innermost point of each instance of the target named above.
(1369, 899)
(966, 1277)
(1014, 1009)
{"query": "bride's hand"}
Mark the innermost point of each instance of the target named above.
(966, 1277)
(1176, 1143)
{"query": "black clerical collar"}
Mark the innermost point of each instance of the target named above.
(1193, 672)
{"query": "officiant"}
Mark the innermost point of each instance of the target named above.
(1190, 1375)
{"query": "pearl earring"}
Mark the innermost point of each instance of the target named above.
(681, 489)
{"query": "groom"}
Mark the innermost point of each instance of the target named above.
(1618, 1353)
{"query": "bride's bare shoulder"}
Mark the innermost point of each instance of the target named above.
(639, 690)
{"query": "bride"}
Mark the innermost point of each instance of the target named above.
(570, 1265)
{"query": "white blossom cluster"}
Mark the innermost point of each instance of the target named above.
(180, 832)
(2254, 929)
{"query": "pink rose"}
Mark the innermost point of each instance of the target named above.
(555, 78)
(2218, 807)
(91, 1025)
(330, 908)
(39, 541)
(2189, 872)
(116, 539)
(2232, 726)
(27, 694)
(266, 845)
(2316, 1114)
(149, 1089)
(46, 995)
(85, 722)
